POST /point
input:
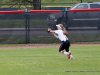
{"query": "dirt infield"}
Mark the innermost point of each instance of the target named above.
(43, 45)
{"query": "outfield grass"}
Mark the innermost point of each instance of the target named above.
(48, 61)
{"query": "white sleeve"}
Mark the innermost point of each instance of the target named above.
(56, 31)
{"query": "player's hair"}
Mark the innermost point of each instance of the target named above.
(64, 30)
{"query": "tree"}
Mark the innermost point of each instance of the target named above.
(36, 4)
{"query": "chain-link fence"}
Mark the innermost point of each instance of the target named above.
(30, 28)
(12, 28)
(24, 28)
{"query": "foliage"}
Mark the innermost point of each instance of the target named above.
(34, 3)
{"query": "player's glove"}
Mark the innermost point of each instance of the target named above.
(48, 30)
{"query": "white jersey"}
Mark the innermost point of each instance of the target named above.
(61, 35)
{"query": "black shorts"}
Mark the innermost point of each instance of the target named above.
(65, 45)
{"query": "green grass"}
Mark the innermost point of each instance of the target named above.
(66, 1)
(72, 1)
(48, 61)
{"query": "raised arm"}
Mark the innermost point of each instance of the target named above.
(53, 32)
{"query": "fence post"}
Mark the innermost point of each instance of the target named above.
(27, 26)
(81, 1)
(40, 4)
(28, 20)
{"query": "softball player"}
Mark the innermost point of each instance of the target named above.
(61, 34)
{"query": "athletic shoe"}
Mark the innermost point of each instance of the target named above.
(72, 58)
(68, 55)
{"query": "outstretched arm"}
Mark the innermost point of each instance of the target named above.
(53, 32)
(55, 35)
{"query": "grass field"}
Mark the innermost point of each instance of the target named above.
(48, 61)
